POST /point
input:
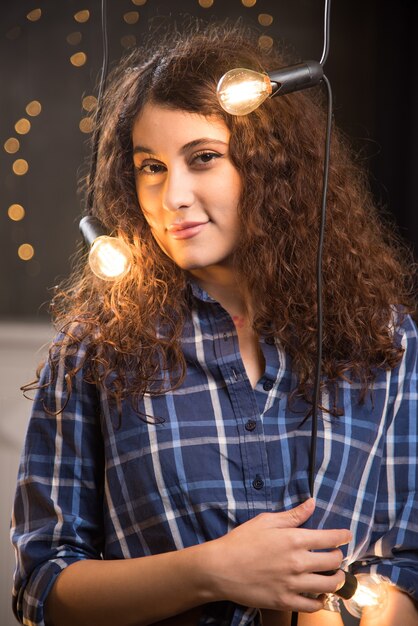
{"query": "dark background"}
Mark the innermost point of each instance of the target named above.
(372, 67)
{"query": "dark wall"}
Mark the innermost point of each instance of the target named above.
(371, 65)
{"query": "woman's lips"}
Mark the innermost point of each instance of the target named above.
(186, 230)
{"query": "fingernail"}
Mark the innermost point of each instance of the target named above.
(308, 503)
(348, 538)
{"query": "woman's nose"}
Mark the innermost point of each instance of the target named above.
(178, 190)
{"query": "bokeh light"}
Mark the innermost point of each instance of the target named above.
(33, 108)
(34, 15)
(139, 3)
(131, 17)
(206, 4)
(86, 125)
(82, 16)
(22, 126)
(20, 167)
(265, 19)
(89, 103)
(265, 42)
(248, 3)
(128, 41)
(11, 145)
(16, 212)
(78, 59)
(25, 252)
(74, 38)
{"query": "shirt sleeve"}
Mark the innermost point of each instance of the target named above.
(57, 517)
(393, 546)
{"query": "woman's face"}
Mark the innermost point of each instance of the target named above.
(187, 186)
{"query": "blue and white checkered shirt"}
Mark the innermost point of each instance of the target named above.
(223, 453)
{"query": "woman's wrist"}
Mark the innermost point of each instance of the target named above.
(207, 560)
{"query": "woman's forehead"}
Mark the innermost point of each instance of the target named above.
(160, 126)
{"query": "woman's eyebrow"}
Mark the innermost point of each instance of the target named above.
(187, 146)
(142, 149)
(197, 142)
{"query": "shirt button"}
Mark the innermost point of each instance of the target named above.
(225, 337)
(267, 385)
(250, 425)
(270, 341)
(258, 482)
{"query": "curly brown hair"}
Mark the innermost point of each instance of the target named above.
(278, 151)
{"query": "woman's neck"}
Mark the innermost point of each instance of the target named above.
(225, 288)
(221, 284)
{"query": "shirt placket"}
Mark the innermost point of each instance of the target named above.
(248, 418)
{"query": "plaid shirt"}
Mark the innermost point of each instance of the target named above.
(223, 453)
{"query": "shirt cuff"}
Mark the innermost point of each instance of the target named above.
(29, 601)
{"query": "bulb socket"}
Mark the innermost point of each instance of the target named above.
(349, 588)
(296, 77)
(91, 228)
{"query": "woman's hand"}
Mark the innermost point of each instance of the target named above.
(265, 563)
(269, 562)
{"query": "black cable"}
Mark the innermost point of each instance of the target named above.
(102, 85)
(319, 324)
(294, 620)
(319, 330)
(327, 14)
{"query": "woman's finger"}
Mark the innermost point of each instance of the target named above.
(324, 561)
(319, 584)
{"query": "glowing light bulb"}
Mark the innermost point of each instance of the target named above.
(371, 595)
(109, 258)
(241, 91)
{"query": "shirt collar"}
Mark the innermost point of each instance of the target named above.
(200, 293)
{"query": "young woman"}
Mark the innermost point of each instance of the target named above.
(165, 472)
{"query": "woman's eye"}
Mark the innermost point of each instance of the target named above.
(151, 168)
(205, 157)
